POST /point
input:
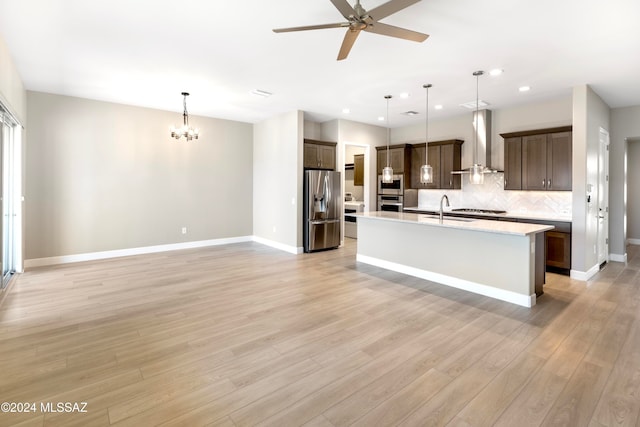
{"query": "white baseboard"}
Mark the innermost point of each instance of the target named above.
(277, 245)
(585, 275)
(93, 256)
(634, 242)
(618, 257)
(465, 285)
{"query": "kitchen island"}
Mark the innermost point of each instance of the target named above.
(503, 260)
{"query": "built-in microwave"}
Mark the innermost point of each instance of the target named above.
(394, 187)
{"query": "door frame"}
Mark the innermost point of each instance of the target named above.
(603, 197)
(11, 146)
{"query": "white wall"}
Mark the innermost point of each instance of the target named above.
(12, 92)
(633, 188)
(546, 114)
(103, 176)
(625, 124)
(277, 181)
(590, 114)
(491, 195)
(540, 115)
(365, 135)
(356, 190)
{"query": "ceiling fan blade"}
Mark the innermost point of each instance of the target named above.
(390, 8)
(344, 8)
(349, 38)
(391, 31)
(311, 27)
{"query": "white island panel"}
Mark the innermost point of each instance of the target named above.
(461, 254)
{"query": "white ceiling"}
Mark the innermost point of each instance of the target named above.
(145, 52)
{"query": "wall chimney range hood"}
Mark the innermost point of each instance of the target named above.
(483, 131)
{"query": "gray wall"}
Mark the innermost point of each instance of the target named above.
(277, 182)
(590, 114)
(633, 188)
(625, 124)
(103, 176)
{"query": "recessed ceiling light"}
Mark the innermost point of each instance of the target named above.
(262, 93)
(404, 95)
(346, 110)
(496, 71)
(524, 88)
(438, 107)
(381, 118)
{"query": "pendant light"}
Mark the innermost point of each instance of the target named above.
(476, 175)
(387, 172)
(185, 131)
(426, 171)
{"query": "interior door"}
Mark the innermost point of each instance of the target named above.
(603, 198)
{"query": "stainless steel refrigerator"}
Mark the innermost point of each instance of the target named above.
(322, 209)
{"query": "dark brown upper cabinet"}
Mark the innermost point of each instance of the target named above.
(399, 158)
(319, 154)
(538, 160)
(358, 169)
(444, 157)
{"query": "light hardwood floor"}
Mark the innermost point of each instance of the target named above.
(247, 335)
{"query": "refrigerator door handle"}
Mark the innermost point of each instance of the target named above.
(324, 221)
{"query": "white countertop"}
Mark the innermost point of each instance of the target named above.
(354, 204)
(542, 216)
(487, 226)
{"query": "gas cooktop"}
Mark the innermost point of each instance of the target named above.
(481, 211)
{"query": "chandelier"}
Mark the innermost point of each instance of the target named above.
(185, 131)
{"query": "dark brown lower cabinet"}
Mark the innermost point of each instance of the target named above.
(558, 249)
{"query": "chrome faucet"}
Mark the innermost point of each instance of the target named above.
(443, 198)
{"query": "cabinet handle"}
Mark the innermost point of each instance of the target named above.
(543, 181)
(451, 182)
(549, 183)
(505, 183)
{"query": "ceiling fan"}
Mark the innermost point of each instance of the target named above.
(358, 19)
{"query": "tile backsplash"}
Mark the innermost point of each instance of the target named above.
(491, 195)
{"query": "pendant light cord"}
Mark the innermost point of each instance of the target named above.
(185, 114)
(426, 126)
(388, 97)
(475, 119)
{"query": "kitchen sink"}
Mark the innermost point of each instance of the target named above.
(449, 218)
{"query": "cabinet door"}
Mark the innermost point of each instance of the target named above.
(449, 158)
(534, 162)
(358, 169)
(513, 163)
(382, 160)
(311, 156)
(417, 160)
(327, 156)
(559, 161)
(558, 249)
(396, 156)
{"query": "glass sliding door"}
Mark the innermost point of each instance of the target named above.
(7, 197)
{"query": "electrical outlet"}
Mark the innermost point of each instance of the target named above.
(274, 228)
(184, 230)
